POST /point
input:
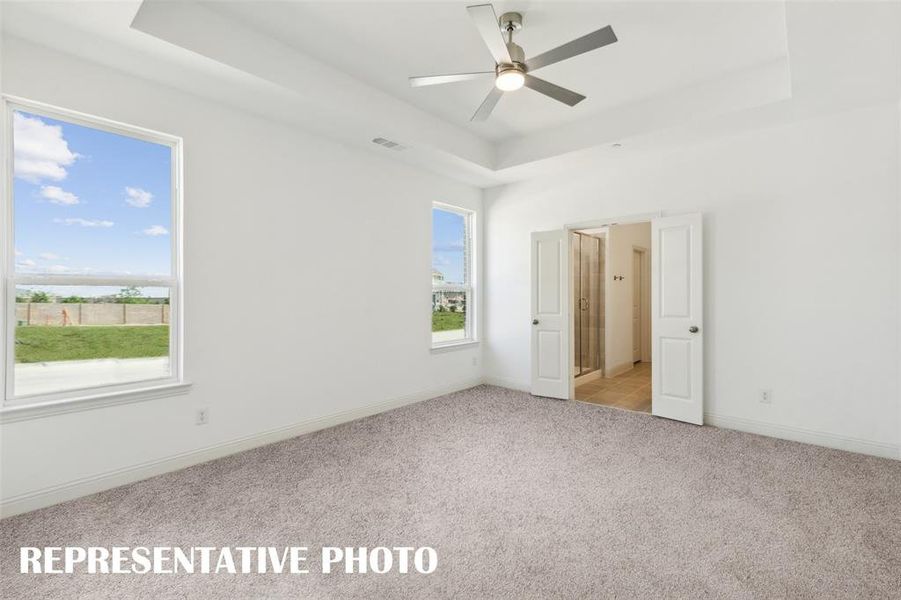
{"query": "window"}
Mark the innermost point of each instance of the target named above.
(92, 263)
(453, 298)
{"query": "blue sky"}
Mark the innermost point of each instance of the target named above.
(89, 202)
(448, 232)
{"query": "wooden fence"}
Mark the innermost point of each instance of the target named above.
(52, 313)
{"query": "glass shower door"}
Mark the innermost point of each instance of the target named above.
(577, 303)
(587, 301)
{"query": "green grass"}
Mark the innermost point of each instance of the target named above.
(44, 344)
(443, 321)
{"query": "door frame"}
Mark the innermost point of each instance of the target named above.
(593, 224)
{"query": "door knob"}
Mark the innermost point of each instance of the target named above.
(693, 329)
(534, 321)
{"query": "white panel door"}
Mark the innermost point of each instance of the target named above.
(550, 326)
(677, 327)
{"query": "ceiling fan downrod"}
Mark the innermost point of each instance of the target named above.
(509, 23)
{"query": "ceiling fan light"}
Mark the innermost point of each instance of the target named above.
(509, 81)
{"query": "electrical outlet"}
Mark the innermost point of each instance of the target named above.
(766, 396)
(202, 417)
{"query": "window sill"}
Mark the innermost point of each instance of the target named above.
(450, 346)
(38, 410)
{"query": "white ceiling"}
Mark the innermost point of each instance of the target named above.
(662, 46)
(682, 72)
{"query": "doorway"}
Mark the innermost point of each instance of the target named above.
(618, 317)
(637, 303)
(671, 346)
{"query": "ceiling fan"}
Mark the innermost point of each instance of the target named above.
(512, 70)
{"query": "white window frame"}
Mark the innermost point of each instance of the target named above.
(110, 393)
(469, 276)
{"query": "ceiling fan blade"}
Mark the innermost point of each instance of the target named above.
(487, 105)
(556, 92)
(453, 78)
(586, 43)
(486, 22)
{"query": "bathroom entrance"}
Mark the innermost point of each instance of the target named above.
(617, 314)
(611, 315)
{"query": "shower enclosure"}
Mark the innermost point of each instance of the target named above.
(588, 302)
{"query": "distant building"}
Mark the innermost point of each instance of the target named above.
(449, 300)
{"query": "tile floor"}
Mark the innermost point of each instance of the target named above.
(631, 390)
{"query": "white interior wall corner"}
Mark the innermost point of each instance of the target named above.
(348, 257)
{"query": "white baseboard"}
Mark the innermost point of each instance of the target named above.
(806, 436)
(103, 481)
(619, 369)
(794, 434)
(596, 374)
(504, 382)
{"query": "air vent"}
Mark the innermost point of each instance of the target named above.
(388, 144)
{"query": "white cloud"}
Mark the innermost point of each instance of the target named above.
(18, 252)
(27, 262)
(55, 269)
(138, 198)
(155, 231)
(60, 269)
(50, 256)
(85, 222)
(58, 195)
(41, 151)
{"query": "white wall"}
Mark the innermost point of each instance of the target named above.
(622, 240)
(269, 212)
(801, 269)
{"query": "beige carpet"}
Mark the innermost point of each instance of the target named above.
(522, 498)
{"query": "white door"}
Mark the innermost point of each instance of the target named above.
(677, 325)
(636, 306)
(550, 325)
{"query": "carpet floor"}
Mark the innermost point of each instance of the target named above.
(521, 497)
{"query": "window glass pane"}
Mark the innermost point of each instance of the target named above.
(75, 337)
(89, 202)
(448, 247)
(450, 276)
(448, 316)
